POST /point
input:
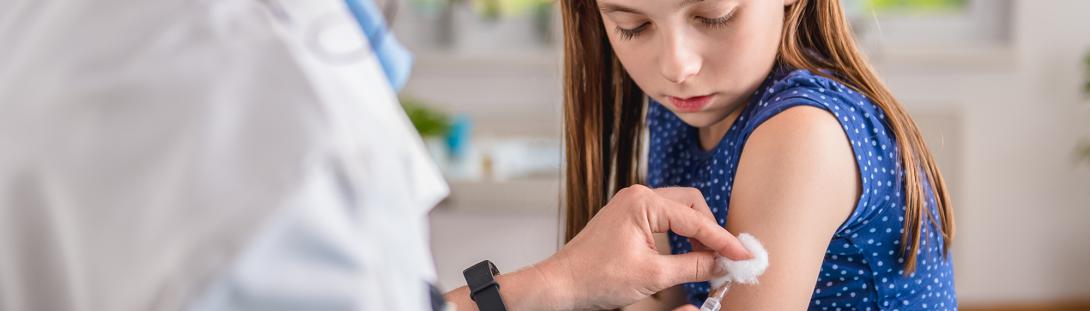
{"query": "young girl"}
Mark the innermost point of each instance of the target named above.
(769, 109)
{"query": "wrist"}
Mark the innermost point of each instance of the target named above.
(543, 286)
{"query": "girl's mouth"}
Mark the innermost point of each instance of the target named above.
(691, 104)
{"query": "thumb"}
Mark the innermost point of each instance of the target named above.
(690, 267)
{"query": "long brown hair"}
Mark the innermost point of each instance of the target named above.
(604, 111)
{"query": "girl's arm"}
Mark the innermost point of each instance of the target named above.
(797, 182)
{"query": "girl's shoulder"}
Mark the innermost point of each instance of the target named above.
(862, 121)
(803, 87)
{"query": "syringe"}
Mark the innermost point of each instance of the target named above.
(714, 297)
(742, 271)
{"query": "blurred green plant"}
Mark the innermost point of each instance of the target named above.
(495, 9)
(427, 121)
(917, 5)
(489, 9)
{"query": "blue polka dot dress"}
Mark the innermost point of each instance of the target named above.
(862, 269)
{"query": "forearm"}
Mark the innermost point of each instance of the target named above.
(532, 288)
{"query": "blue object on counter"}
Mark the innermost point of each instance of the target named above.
(395, 59)
(458, 136)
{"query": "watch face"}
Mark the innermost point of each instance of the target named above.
(481, 275)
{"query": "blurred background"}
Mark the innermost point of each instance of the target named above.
(1001, 89)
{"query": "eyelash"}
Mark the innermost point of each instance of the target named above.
(714, 23)
(717, 22)
(629, 34)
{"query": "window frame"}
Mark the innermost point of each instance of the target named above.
(981, 23)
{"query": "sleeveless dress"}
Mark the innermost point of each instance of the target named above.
(862, 268)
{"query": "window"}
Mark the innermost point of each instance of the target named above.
(892, 24)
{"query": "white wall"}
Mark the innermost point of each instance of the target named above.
(1024, 205)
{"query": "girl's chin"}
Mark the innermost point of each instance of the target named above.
(711, 115)
(700, 119)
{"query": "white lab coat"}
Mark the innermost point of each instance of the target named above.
(205, 154)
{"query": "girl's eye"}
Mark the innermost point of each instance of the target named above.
(718, 21)
(628, 34)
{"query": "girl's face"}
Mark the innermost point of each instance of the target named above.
(701, 58)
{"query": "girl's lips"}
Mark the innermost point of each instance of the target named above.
(691, 104)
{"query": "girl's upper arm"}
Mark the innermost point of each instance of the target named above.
(797, 182)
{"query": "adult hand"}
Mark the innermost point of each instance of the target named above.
(613, 261)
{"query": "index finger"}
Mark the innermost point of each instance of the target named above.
(694, 199)
(685, 221)
(688, 196)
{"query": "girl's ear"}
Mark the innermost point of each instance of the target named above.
(789, 2)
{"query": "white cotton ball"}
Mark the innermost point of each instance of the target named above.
(743, 271)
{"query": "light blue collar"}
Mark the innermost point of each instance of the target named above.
(395, 59)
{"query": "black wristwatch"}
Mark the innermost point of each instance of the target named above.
(483, 289)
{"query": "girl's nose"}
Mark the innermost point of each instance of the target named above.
(679, 62)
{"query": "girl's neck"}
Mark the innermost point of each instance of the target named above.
(710, 136)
